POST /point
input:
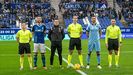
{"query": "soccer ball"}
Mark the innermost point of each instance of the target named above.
(77, 66)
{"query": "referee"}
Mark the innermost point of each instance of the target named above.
(113, 40)
(75, 32)
(24, 37)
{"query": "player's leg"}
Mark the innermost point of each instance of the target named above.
(59, 48)
(53, 48)
(42, 48)
(97, 48)
(21, 52)
(116, 45)
(21, 61)
(80, 57)
(110, 58)
(43, 60)
(28, 52)
(71, 48)
(69, 58)
(78, 47)
(30, 60)
(110, 50)
(36, 47)
(90, 48)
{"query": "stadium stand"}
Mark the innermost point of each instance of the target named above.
(14, 12)
(127, 10)
(89, 8)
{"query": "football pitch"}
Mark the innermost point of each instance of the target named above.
(9, 60)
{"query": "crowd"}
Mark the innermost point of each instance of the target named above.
(127, 10)
(86, 8)
(12, 12)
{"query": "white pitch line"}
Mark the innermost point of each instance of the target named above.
(79, 71)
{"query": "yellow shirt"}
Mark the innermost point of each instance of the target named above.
(113, 33)
(75, 30)
(24, 36)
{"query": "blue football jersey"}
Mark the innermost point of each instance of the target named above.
(93, 32)
(39, 33)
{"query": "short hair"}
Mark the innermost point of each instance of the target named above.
(113, 19)
(37, 17)
(93, 16)
(56, 18)
(75, 15)
(23, 23)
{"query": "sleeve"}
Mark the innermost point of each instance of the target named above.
(120, 35)
(63, 34)
(106, 35)
(44, 28)
(49, 34)
(18, 34)
(68, 29)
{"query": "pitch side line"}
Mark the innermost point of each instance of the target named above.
(79, 71)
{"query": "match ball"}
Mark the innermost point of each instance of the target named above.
(77, 66)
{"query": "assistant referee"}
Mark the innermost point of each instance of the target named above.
(24, 37)
(113, 39)
(75, 32)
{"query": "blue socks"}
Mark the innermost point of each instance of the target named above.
(35, 60)
(43, 60)
(98, 59)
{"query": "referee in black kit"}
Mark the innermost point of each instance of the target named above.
(56, 35)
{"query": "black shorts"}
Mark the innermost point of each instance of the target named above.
(75, 42)
(56, 44)
(24, 48)
(113, 44)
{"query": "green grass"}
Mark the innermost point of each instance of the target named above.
(9, 60)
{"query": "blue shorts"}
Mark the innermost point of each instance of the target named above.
(94, 45)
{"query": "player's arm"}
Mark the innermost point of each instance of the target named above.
(100, 31)
(87, 34)
(44, 30)
(32, 30)
(17, 37)
(30, 36)
(68, 31)
(32, 33)
(87, 31)
(63, 34)
(49, 34)
(106, 37)
(120, 36)
(81, 31)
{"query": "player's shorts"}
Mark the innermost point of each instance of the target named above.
(39, 46)
(24, 48)
(94, 45)
(113, 44)
(75, 42)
